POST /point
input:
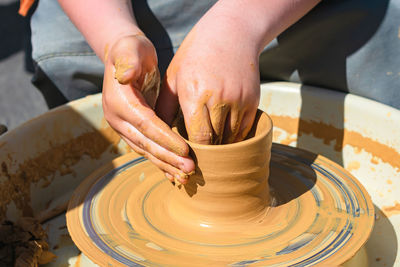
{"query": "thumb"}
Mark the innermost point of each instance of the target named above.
(167, 103)
(127, 68)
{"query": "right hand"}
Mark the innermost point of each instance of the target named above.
(130, 90)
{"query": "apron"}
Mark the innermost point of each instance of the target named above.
(346, 45)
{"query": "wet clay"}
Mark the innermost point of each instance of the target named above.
(59, 158)
(341, 137)
(106, 50)
(391, 210)
(308, 210)
(207, 123)
(24, 243)
(121, 67)
(151, 87)
(226, 188)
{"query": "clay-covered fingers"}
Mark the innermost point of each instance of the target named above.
(132, 108)
(150, 88)
(179, 167)
(218, 115)
(149, 146)
(127, 60)
(135, 62)
(230, 122)
(171, 173)
(143, 128)
(233, 125)
(246, 124)
(128, 113)
(216, 124)
(220, 123)
(146, 81)
(198, 124)
(130, 89)
(127, 69)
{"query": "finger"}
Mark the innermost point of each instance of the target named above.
(185, 164)
(198, 124)
(246, 125)
(165, 167)
(143, 145)
(135, 148)
(232, 126)
(218, 114)
(167, 102)
(135, 110)
(127, 69)
(141, 152)
(169, 177)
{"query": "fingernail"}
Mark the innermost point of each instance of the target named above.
(185, 171)
(186, 165)
(181, 178)
(169, 176)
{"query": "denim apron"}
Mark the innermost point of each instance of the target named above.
(347, 45)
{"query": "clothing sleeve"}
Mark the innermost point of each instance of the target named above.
(24, 6)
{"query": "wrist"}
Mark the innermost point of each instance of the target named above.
(102, 25)
(224, 23)
(256, 22)
(114, 38)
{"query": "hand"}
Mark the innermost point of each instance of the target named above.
(215, 77)
(130, 90)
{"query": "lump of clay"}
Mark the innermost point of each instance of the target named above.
(24, 244)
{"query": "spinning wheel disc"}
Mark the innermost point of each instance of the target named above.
(123, 215)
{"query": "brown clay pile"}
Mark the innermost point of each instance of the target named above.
(24, 244)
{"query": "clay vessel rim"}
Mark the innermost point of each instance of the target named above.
(264, 132)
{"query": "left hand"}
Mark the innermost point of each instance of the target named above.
(130, 89)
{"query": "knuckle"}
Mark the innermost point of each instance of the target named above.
(144, 123)
(140, 124)
(108, 115)
(147, 156)
(139, 151)
(141, 145)
(111, 120)
(201, 137)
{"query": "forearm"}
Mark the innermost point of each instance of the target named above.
(259, 21)
(101, 22)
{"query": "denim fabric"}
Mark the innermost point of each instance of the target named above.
(62, 53)
(346, 45)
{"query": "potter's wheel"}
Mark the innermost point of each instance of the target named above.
(120, 216)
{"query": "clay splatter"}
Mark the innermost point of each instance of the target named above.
(59, 158)
(391, 210)
(340, 137)
(354, 165)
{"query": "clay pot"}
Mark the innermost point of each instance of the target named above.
(230, 184)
